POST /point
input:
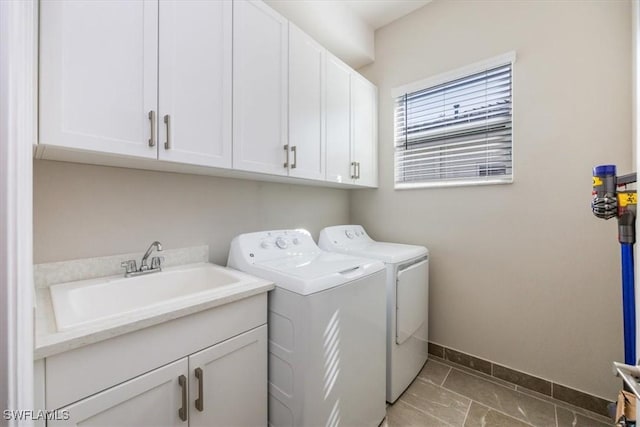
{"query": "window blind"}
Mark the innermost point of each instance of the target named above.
(454, 133)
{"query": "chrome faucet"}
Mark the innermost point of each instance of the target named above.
(156, 262)
(143, 264)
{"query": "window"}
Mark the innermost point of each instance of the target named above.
(455, 129)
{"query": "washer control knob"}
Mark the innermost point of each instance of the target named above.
(281, 243)
(349, 234)
(296, 241)
(265, 245)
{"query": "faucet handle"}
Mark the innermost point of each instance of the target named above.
(130, 265)
(156, 262)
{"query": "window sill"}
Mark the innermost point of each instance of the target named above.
(445, 184)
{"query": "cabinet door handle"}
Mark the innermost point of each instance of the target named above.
(167, 122)
(200, 399)
(353, 174)
(152, 120)
(294, 150)
(182, 412)
(358, 168)
(286, 149)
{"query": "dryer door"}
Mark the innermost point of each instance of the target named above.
(412, 299)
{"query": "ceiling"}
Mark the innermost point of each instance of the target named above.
(345, 27)
(378, 13)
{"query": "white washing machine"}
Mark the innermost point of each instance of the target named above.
(326, 330)
(407, 299)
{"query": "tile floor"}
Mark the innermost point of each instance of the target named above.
(446, 394)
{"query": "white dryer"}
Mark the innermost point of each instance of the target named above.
(407, 299)
(326, 330)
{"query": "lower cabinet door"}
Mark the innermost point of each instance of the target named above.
(153, 399)
(228, 382)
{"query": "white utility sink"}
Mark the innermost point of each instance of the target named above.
(88, 301)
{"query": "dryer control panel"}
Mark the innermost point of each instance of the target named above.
(268, 245)
(345, 235)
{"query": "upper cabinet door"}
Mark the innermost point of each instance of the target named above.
(195, 82)
(338, 117)
(98, 75)
(260, 62)
(365, 140)
(306, 106)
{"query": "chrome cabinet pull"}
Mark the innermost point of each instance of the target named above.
(286, 149)
(182, 412)
(152, 119)
(358, 168)
(200, 399)
(167, 122)
(294, 150)
(353, 174)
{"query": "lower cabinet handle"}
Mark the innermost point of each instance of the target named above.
(182, 412)
(286, 149)
(294, 150)
(167, 122)
(200, 399)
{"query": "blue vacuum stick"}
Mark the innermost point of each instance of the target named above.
(628, 304)
(608, 202)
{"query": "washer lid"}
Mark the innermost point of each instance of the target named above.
(292, 260)
(353, 240)
(307, 273)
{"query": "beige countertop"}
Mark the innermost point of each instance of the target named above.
(49, 341)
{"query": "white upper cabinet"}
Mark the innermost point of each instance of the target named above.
(195, 82)
(351, 113)
(306, 106)
(260, 88)
(338, 118)
(203, 86)
(98, 75)
(364, 131)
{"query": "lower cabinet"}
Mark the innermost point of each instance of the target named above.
(228, 382)
(152, 399)
(222, 385)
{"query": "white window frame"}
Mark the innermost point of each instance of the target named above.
(442, 78)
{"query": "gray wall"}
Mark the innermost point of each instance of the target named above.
(522, 274)
(84, 211)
